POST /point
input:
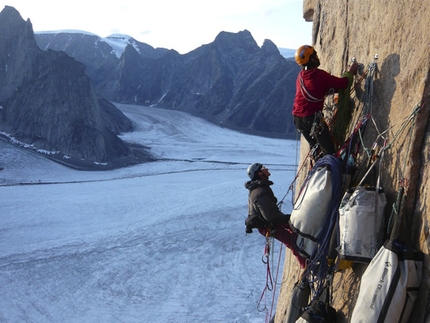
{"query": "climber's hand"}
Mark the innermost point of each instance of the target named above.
(353, 68)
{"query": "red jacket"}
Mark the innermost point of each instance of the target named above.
(311, 87)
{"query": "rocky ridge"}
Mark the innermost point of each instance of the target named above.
(231, 81)
(49, 103)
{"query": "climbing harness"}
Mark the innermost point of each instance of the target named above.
(317, 125)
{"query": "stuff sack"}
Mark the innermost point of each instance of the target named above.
(361, 223)
(310, 210)
(299, 301)
(318, 312)
(319, 309)
(389, 286)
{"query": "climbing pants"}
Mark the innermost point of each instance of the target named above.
(322, 137)
(284, 234)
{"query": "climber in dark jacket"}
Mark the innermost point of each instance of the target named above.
(262, 208)
(263, 211)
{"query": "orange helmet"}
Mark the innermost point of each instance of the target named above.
(303, 54)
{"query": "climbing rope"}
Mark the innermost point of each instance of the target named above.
(348, 152)
(368, 86)
(276, 280)
(374, 156)
(403, 183)
(269, 280)
(271, 283)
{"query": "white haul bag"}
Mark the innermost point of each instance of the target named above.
(389, 286)
(310, 210)
(361, 223)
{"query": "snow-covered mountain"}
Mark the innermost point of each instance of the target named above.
(156, 242)
(118, 42)
(231, 81)
(62, 40)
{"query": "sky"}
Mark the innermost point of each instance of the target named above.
(181, 25)
(158, 242)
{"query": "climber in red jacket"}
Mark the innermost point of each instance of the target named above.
(312, 85)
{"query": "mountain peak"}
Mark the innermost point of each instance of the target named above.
(241, 39)
(50, 104)
(269, 47)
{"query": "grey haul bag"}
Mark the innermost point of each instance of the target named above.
(389, 286)
(361, 223)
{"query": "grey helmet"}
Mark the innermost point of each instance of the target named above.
(252, 169)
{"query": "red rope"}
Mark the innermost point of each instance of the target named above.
(359, 81)
(269, 279)
(270, 284)
(276, 279)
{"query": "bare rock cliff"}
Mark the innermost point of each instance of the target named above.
(397, 32)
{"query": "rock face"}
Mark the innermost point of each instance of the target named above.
(49, 102)
(231, 81)
(397, 31)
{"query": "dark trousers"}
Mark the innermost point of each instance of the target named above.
(323, 138)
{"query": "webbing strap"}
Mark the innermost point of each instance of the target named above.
(306, 94)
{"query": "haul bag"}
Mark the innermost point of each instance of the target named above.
(361, 223)
(319, 310)
(389, 286)
(310, 210)
(299, 300)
